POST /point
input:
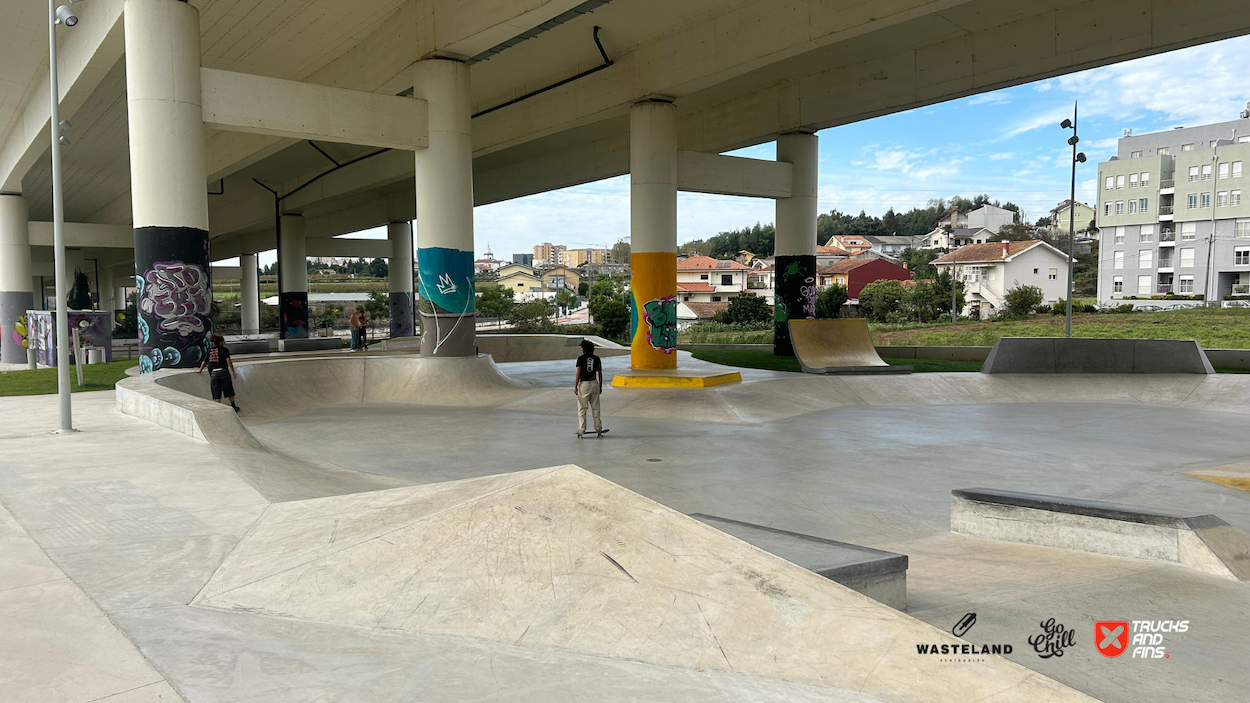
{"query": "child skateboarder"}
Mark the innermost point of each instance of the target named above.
(587, 385)
(220, 370)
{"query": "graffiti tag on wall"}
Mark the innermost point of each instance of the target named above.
(660, 316)
(177, 294)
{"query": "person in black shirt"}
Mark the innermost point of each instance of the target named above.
(219, 363)
(587, 385)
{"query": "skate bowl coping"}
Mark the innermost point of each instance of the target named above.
(1201, 542)
(837, 347)
(1082, 355)
(508, 348)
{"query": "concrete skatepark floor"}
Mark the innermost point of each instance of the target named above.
(118, 529)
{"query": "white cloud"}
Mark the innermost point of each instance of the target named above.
(996, 98)
(1001, 156)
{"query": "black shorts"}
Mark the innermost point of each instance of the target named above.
(221, 384)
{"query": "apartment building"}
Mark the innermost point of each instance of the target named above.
(548, 254)
(585, 257)
(1172, 216)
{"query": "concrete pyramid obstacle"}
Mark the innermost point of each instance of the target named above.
(559, 557)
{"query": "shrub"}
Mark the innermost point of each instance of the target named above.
(1022, 299)
(747, 309)
(830, 301)
(532, 316)
(1127, 307)
(612, 316)
(882, 300)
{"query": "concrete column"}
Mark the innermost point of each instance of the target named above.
(107, 304)
(400, 278)
(795, 264)
(293, 278)
(445, 211)
(249, 294)
(653, 234)
(16, 296)
(169, 197)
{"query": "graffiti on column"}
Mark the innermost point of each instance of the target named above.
(13, 327)
(293, 307)
(661, 318)
(173, 290)
(401, 315)
(445, 277)
(795, 298)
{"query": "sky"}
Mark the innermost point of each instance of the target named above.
(1006, 143)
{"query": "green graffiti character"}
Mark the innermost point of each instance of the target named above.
(661, 318)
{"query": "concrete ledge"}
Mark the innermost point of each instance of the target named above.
(1201, 542)
(882, 576)
(661, 378)
(310, 344)
(144, 397)
(934, 353)
(1229, 358)
(249, 346)
(1077, 355)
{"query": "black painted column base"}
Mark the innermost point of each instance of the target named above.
(174, 297)
(293, 313)
(794, 297)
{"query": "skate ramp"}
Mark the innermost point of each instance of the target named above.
(837, 346)
(561, 558)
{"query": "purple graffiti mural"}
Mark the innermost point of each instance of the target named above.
(177, 294)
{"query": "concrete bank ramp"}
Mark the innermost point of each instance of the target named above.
(837, 346)
(561, 558)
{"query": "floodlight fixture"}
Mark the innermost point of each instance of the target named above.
(1073, 140)
(64, 141)
(65, 125)
(1066, 124)
(1080, 158)
(66, 16)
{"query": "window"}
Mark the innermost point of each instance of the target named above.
(1241, 229)
(1132, 207)
(1204, 200)
(1119, 235)
(1119, 181)
(1145, 258)
(1143, 205)
(1165, 258)
(1191, 201)
(1164, 151)
(1186, 284)
(1106, 209)
(1193, 173)
(1118, 259)
(1241, 256)
(1110, 182)
(1224, 170)
(1143, 285)
(1236, 169)
(1117, 284)
(1052, 274)
(1187, 258)
(1035, 271)
(1145, 179)
(1187, 147)
(1243, 140)
(1119, 207)
(1221, 199)
(703, 277)
(1234, 197)
(726, 279)
(1206, 172)
(1187, 231)
(1147, 234)
(1132, 180)
(1135, 155)
(716, 299)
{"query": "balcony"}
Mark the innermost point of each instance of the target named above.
(1167, 235)
(1167, 183)
(1164, 289)
(1165, 209)
(1241, 289)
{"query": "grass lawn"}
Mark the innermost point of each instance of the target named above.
(98, 377)
(764, 359)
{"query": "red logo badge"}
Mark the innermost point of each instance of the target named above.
(1111, 637)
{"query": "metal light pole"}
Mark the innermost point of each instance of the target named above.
(57, 16)
(1077, 158)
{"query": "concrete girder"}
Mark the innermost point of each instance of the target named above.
(698, 172)
(84, 234)
(85, 55)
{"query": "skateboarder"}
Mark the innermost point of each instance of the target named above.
(358, 321)
(218, 362)
(589, 373)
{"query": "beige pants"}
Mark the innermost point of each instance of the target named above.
(588, 398)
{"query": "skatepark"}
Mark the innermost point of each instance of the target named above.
(419, 521)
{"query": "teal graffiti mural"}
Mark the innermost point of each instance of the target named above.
(445, 278)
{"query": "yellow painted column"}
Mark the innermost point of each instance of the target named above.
(653, 234)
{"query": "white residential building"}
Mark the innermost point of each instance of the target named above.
(957, 237)
(989, 270)
(988, 217)
(702, 279)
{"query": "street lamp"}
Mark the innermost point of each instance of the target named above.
(1077, 158)
(59, 15)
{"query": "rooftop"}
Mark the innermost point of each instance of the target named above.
(707, 263)
(989, 251)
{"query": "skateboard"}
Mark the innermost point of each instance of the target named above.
(598, 435)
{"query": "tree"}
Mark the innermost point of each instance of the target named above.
(943, 298)
(378, 305)
(882, 299)
(1017, 232)
(748, 309)
(79, 297)
(532, 316)
(583, 288)
(603, 287)
(378, 268)
(1043, 221)
(919, 261)
(1021, 300)
(495, 301)
(830, 301)
(620, 253)
(565, 299)
(612, 317)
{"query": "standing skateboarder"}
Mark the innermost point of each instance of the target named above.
(589, 371)
(220, 370)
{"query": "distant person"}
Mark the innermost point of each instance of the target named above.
(587, 385)
(358, 322)
(220, 370)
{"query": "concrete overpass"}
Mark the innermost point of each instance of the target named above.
(217, 129)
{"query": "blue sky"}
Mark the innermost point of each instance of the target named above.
(1006, 143)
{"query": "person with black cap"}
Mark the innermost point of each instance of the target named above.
(587, 385)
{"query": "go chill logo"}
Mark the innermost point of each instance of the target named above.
(1144, 637)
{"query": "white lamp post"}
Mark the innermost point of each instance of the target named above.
(1077, 158)
(59, 15)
